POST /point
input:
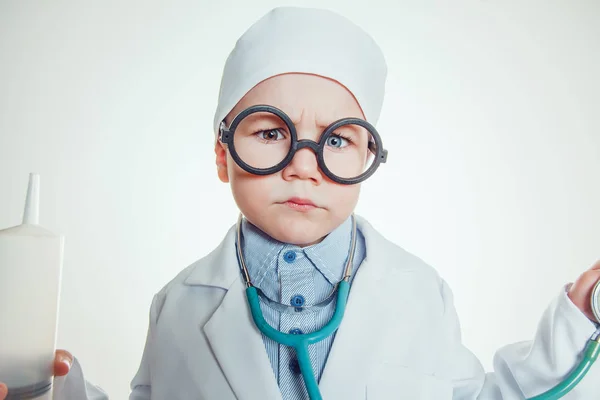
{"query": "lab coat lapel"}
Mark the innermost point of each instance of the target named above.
(237, 344)
(349, 358)
(356, 345)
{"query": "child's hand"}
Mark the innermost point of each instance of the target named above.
(62, 364)
(581, 291)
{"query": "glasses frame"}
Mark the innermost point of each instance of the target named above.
(226, 135)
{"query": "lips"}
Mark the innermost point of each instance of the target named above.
(300, 201)
(300, 204)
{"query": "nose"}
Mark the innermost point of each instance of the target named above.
(303, 166)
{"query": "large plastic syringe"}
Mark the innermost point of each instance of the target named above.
(30, 274)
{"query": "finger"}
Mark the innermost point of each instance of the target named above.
(590, 278)
(596, 266)
(3, 391)
(62, 362)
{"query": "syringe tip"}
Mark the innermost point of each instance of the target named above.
(32, 202)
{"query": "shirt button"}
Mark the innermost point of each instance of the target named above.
(294, 366)
(296, 331)
(289, 256)
(297, 301)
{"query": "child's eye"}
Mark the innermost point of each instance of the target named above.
(270, 135)
(337, 141)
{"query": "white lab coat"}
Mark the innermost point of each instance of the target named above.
(400, 339)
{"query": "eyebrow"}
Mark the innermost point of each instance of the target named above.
(322, 123)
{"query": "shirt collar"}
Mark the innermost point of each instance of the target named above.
(328, 256)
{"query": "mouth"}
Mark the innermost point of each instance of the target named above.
(300, 204)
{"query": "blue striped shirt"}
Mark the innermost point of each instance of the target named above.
(297, 276)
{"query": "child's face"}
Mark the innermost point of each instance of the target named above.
(312, 102)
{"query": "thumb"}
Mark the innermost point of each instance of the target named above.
(62, 362)
(3, 391)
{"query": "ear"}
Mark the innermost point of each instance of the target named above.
(221, 161)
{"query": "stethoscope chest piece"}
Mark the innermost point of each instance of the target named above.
(596, 301)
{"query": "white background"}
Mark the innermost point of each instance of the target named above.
(491, 121)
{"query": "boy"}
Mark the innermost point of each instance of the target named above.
(400, 336)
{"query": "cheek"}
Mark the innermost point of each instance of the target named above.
(343, 199)
(251, 193)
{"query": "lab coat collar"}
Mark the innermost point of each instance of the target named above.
(219, 268)
(236, 342)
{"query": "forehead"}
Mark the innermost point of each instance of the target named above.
(303, 96)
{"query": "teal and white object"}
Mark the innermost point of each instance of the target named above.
(31, 260)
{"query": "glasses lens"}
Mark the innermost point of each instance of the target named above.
(349, 151)
(262, 140)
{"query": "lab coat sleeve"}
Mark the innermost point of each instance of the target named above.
(141, 385)
(73, 386)
(524, 369)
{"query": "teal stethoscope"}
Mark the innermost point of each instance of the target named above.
(300, 342)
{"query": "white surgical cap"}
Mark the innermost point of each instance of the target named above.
(305, 40)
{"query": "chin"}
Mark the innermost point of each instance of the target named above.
(298, 229)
